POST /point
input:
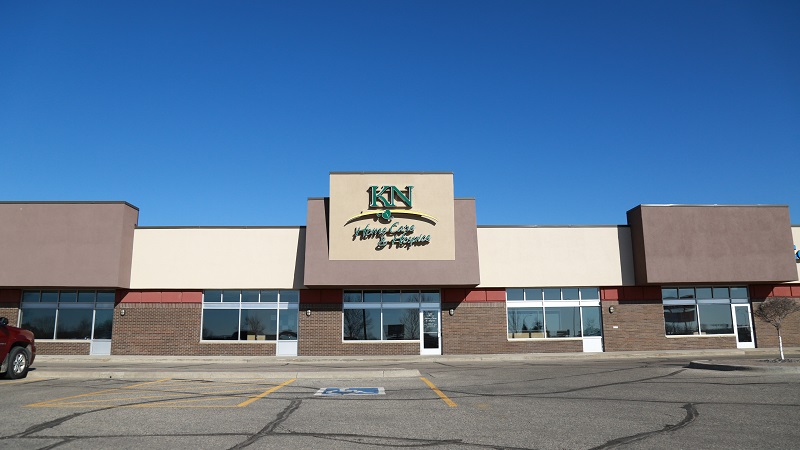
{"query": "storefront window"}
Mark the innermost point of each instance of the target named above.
(68, 314)
(700, 310)
(384, 315)
(250, 315)
(553, 312)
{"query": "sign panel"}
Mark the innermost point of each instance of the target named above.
(391, 216)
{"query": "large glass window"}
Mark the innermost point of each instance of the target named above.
(553, 312)
(68, 314)
(700, 310)
(384, 315)
(250, 315)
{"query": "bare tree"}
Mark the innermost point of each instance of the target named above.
(773, 311)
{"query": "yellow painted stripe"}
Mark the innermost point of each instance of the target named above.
(449, 402)
(265, 393)
(56, 400)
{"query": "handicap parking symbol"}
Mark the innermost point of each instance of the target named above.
(340, 391)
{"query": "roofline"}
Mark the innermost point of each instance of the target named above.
(391, 173)
(553, 226)
(667, 205)
(221, 227)
(69, 202)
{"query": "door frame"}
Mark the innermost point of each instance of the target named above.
(752, 343)
(430, 351)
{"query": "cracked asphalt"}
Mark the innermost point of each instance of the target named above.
(600, 404)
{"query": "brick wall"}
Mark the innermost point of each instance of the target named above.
(766, 335)
(480, 327)
(640, 327)
(321, 335)
(11, 312)
(62, 347)
(157, 327)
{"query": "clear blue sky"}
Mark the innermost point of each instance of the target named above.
(561, 112)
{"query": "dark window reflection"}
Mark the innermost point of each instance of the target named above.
(400, 324)
(288, 325)
(259, 324)
(103, 319)
(74, 324)
(563, 322)
(41, 321)
(221, 324)
(362, 324)
(680, 319)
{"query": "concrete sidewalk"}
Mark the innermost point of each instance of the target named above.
(357, 367)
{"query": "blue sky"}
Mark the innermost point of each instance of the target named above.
(234, 113)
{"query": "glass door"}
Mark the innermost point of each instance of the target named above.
(431, 339)
(743, 326)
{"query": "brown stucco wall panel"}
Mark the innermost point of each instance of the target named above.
(320, 271)
(711, 244)
(66, 244)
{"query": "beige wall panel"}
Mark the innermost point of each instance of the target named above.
(208, 258)
(432, 195)
(555, 256)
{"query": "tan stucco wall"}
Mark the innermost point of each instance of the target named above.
(207, 258)
(555, 256)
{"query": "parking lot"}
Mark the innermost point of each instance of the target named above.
(518, 404)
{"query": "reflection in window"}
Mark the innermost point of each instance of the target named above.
(221, 324)
(103, 319)
(563, 322)
(592, 322)
(259, 324)
(680, 320)
(715, 319)
(362, 324)
(401, 324)
(41, 321)
(701, 310)
(525, 322)
(74, 324)
(384, 315)
(250, 315)
(69, 314)
(553, 317)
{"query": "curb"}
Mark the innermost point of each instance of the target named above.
(128, 375)
(721, 366)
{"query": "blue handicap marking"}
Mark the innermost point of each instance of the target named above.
(338, 391)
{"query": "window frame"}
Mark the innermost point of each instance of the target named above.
(700, 295)
(240, 306)
(66, 305)
(538, 301)
(380, 306)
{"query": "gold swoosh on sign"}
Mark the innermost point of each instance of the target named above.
(404, 211)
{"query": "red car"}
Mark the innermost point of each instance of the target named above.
(17, 350)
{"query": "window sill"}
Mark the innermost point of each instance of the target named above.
(547, 339)
(684, 336)
(240, 342)
(398, 341)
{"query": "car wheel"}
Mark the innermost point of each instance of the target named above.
(17, 363)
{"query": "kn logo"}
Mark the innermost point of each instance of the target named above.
(387, 205)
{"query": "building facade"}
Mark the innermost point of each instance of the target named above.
(394, 264)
